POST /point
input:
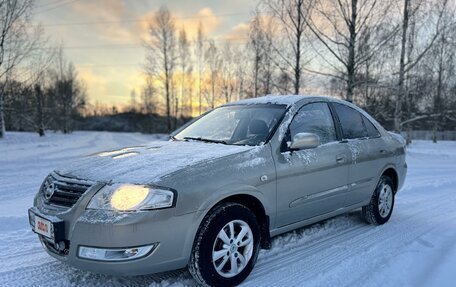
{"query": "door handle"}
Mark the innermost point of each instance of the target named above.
(382, 151)
(340, 158)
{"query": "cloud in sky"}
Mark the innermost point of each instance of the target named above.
(113, 11)
(238, 33)
(206, 16)
(115, 29)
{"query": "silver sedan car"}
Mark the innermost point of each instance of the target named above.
(217, 192)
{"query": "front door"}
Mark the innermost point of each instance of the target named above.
(314, 181)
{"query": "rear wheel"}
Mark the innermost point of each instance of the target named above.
(381, 205)
(226, 246)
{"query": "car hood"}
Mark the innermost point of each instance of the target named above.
(147, 163)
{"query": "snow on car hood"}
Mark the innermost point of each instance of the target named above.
(148, 163)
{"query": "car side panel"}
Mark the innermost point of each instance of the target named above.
(311, 182)
(369, 156)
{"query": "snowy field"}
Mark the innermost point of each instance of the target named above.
(416, 248)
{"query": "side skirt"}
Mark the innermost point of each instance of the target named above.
(296, 225)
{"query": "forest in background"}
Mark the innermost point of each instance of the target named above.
(395, 59)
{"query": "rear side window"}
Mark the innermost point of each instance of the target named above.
(351, 122)
(372, 131)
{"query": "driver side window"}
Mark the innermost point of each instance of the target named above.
(314, 118)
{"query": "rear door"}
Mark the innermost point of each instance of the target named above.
(365, 144)
(311, 182)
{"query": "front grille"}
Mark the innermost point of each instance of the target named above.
(66, 191)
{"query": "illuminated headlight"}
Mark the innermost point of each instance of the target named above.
(129, 197)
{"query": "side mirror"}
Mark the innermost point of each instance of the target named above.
(304, 141)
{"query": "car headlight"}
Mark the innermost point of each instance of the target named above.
(129, 197)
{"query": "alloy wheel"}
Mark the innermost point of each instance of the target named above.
(233, 248)
(385, 200)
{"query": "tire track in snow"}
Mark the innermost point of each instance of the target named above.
(322, 256)
(56, 273)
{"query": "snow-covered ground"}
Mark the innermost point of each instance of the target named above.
(416, 248)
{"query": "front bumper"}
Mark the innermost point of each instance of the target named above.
(172, 238)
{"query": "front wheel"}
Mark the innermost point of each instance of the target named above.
(226, 246)
(381, 205)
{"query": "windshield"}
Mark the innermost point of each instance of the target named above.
(236, 125)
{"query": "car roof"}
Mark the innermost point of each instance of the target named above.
(287, 100)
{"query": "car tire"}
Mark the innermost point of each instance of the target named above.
(381, 206)
(233, 262)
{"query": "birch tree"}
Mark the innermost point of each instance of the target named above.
(69, 92)
(256, 42)
(185, 66)
(260, 48)
(39, 66)
(200, 62)
(14, 47)
(212, 59)
(290, 48)
(228, 63)
(162, 55)
(338, 26)
(407, 64)
(441, 65)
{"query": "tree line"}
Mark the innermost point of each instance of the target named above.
(39, 87)
(394, 58)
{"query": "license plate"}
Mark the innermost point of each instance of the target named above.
(43, 226)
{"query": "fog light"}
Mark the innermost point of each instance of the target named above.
(115, 254)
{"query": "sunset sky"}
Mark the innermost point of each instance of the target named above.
(103, 37)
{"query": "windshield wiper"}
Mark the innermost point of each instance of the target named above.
(205, 140)
(173, 138)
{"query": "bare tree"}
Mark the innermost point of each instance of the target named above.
(39, 96)
(269, 31)
(148, 97)
(406, 66)
(212, 59)
(441, 63)
(338, 26)
(161, 54)
(184, 62)
(228, 67)
(241, 69)
(260, 46)
(200, 57)
(148, 103)
(68, 91)
(14, 16)
(39, 65)
(256, 43)
(133, 106)
(291, 14)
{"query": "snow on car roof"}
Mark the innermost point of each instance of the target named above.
(274, 99)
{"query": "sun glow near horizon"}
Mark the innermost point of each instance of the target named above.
(104, 39)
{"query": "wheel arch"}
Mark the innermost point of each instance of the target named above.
(392, 173)
(255, 205)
